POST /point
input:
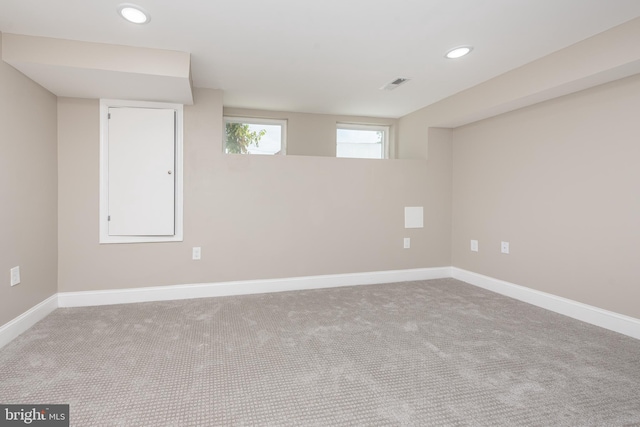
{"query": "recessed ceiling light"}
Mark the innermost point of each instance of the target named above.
(134, 13)
(458, 52)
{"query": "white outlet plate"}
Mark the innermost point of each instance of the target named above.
(196, 253)
(474, 246)
(504, 247)
(15, 276)
(407, 242)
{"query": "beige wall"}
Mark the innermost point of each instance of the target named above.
(255, 217)
(560, 182)
(412, 136)
(28, 192)
(315, 134)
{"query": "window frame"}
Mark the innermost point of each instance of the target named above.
(386, 130)
(257, 121)
(104, 236)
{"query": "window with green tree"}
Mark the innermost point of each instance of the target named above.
(254, 136)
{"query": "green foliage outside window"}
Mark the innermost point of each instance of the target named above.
(240, 137)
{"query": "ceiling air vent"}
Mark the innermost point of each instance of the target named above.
(394, 84)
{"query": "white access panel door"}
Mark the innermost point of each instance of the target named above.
(141, 173)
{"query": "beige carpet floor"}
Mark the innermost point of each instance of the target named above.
(428, 353)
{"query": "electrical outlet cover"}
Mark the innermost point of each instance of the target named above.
(15, 276)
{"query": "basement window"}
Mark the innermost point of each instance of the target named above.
(362, 141)
(245, 135)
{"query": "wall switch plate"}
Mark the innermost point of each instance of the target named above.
(504, 247)
(474, 246)
(197, 253)
(15, 276)
(407, 242)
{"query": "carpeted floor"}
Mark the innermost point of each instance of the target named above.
(436, 352)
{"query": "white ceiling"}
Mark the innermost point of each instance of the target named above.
(332, 56)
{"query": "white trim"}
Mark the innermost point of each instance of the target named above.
(586, 313)
(15, 327)
(207, 290)
(596, 316)
(104, 236)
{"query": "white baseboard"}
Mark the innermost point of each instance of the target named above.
(15, 327)
(206, 290)
(596, 316)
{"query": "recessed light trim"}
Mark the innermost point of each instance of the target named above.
(458, 52)
(134, 13)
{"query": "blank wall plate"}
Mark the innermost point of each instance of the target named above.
(474, 246)
(414, 217)
(504, 247)
(196, 253)
(407, 242)
(15, 276)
